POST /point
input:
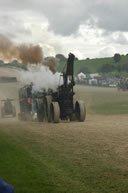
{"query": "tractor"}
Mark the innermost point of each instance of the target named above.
(8, 108)
(53, 106)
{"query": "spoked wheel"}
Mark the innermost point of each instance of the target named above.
(80, 111)
(55, 112)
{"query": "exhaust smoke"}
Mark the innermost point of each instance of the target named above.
(41, 72)
(25, 53)
(41, 77)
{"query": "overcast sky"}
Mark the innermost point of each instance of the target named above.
(88, 28)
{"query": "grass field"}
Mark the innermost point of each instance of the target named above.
(92, 64)
(104, 100)
(69, 157)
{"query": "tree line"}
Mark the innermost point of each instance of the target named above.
(109, 67)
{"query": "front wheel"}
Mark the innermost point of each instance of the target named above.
(80, 111)
(55, 112)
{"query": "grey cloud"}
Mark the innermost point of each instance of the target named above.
(65, 16)
(12, 26)
(111, 15)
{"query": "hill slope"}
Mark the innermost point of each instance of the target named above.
(93, 65)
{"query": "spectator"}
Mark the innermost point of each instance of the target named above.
(5, 188)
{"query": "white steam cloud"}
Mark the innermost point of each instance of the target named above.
(41, 77)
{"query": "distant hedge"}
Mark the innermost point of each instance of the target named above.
(14, 63)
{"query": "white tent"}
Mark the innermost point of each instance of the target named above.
(93, 81)
(81, 76)
(94, 75)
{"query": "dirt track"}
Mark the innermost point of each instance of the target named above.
(110, 132)
(106, 134)
(112, 125)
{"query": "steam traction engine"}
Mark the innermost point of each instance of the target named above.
(52, 105)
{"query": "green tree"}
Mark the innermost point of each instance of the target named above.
(85, 70)
(117, 57)
(107, 68)
(61, 57)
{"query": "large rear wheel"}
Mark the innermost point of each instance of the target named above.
(80, 111)
(55, 112)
